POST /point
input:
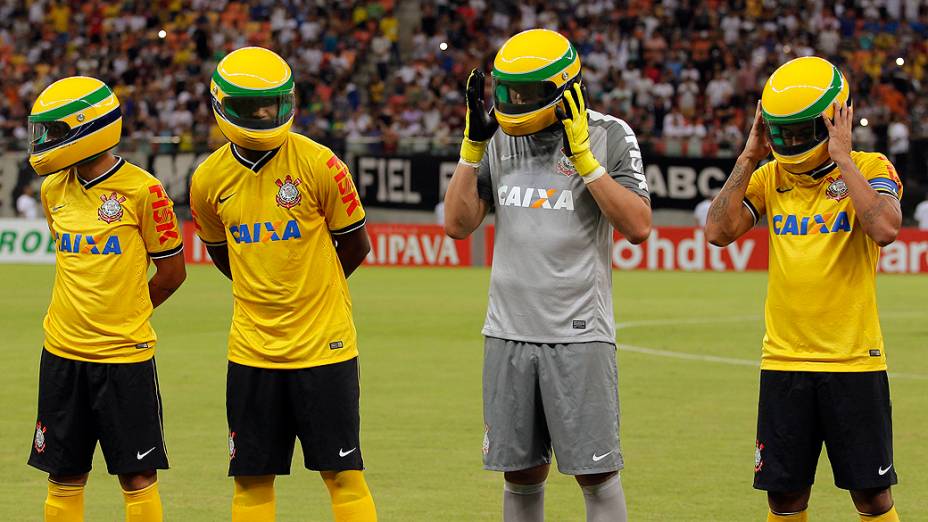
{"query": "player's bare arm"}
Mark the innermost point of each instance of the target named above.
(728, 218)
(220, 256)
(628, 212)
(464, 210)
(879, 214)
(352, 248)
(170, 273)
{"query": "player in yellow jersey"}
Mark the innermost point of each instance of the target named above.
(97, 380)
(281, 218)
(823, 371)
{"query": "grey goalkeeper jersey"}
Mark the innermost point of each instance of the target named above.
(551, 279)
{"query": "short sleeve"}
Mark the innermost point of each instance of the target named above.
(206, 221)
(338, 198)
(755, 198)
(485, 181)
(158, 224)
(43, 198)
(882, 176)
(623, 157)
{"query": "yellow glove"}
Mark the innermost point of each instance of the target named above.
(479, 126)
(577, 134)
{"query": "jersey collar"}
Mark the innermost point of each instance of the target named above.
(813, 177)
(103, 177)
(820, 172)
(254, 166)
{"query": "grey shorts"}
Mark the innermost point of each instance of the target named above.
(536, 396)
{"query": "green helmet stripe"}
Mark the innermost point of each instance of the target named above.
(816, 108)
(68, 109)
(569, 57)
(230, 89)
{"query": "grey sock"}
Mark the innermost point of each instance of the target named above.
(523, 503)
(605, 502)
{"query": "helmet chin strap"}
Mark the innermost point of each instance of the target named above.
(823, 169)
(88, 160)
(818, 172)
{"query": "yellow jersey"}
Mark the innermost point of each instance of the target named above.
(821, 312)
(279, 217)
(105, 231)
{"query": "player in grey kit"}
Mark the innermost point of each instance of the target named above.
(559, 177)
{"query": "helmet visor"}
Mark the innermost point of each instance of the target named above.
(45, 135)
(522, 97)
(258, 112)
(796, 138)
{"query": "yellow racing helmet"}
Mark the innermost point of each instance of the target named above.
(796, 99)
(530, 72)
(72, 121)
(253, 98)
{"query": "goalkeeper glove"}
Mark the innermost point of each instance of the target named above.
(577, 134)
(479, 125)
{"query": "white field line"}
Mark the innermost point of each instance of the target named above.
(693, 320)
(687, 356)
(714, 358)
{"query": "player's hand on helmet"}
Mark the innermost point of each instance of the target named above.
(757, 146)
(577, 131)
(839, 132)
(479, 125)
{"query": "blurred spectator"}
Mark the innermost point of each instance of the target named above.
(701, 212)
(159, 57)
(899, 144)
(375, 72)
(440, 212)
(921, 215)
(688, 70)
(26, 205)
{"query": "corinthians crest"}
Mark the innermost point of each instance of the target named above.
(837, 189)
(758, 457)
(288, 196)
(39, 437)
(111, 209)
(565, 166)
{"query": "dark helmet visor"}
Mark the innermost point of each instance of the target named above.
(522, 97)
(258, 112)
(795, 138)
(45, 135)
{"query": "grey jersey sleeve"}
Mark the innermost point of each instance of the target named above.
(623, 156)
(484, 183)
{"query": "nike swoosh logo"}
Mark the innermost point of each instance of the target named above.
(782, 190)
(58, 207)
(346, 453)
(140, 456)
(224, 199)
(882, 471)
(597, 458)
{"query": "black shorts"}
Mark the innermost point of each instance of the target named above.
(798, 411)
(83, 402)
(267, 408)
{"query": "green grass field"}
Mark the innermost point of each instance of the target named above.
(687, 422)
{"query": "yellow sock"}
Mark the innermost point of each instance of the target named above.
(351, 499)
(801, 516)
(143, 505)
(253, 500)
(64, 503)
(889, 516)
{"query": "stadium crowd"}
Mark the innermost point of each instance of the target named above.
(678, 70)
(684, 74)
